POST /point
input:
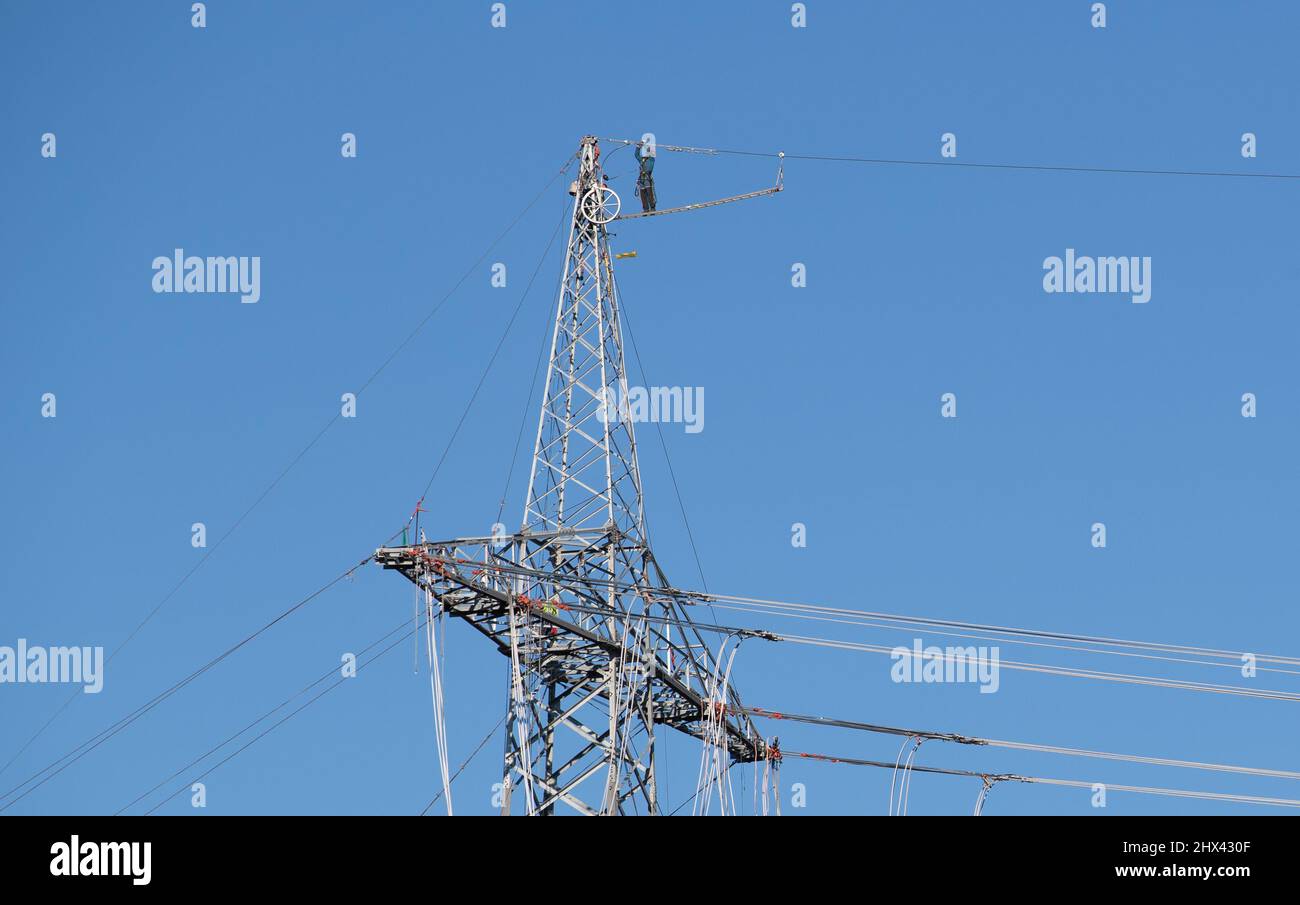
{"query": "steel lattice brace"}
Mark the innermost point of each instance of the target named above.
(576, 599)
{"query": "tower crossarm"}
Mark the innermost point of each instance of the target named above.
(474, 579)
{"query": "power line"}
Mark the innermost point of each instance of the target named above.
(491, 361)
(523, 418)
(777, 607)
(1018, 746)
(929, 631)
(270, 487)
(331, 671)
(279, 723)
(673, 812)
(1125, 678)
(1035, 633)
(80, 751)
(465, 764)
(883, 161)
(1040, 780)
(690, 535)
(468, 406)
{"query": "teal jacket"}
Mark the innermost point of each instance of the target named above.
(647, 161)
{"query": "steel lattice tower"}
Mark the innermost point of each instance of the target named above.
(601, 650)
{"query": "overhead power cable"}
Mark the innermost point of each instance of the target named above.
(940, 656)
(1007, 630)
(777, 607)
(265, 732)
(944, 657)
(528, 404)
(1040, 780)
(1079, 673)
(491, 361)
(1018, 746)
(45, 774)
(672, 474)
(280, 477)
(885, 161)
(332, 671)
(465, 763)
(905, 627)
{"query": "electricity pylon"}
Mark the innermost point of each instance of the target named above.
(602, 652)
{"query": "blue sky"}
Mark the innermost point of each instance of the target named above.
(822, 402)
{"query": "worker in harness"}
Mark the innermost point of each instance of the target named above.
(645, 180)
